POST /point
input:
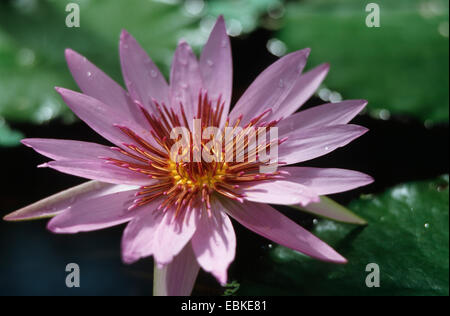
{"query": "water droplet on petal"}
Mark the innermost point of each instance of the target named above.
(153, 73)
(89, 74)
(210, 63)
(327, 148)
(184, 85)
(281, 83)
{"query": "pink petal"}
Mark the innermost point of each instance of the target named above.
(329, 180)
(185, 80)
(268, 222)
(303, 89)
(102, 118)
(283, 192)
(156, 233)
(322, 115)
(306, 144)
(172, 235)
(270, 88)
(214, 242)
(99, 170)
(61, 149)
(95, 83)
(330, 209)
(178, 277)
(94, 214)
(216, 65)
(142, 77)
(58, 202)
(138, 237)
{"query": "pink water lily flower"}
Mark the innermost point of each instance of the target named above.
(179, 212)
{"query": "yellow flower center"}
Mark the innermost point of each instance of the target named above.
(182, 185)
(181, 175)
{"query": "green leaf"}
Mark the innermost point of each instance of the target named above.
(400, 67)
(8, 137)
(407, 236)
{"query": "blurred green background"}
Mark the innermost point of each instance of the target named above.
(401, 68)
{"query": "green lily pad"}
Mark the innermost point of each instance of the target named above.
(407, 237)
(8, 137)
(401, 67)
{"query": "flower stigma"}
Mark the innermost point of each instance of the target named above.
(180, 178)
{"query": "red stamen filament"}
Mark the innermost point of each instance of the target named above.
(182, 185)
